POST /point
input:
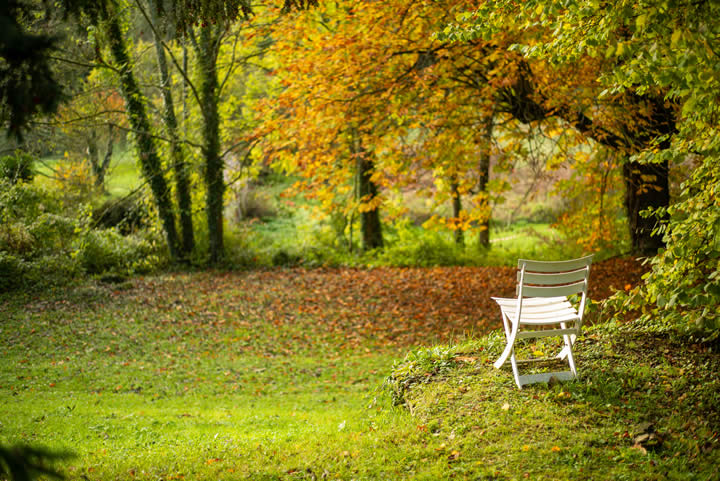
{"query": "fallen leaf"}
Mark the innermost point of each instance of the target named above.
(640, 448)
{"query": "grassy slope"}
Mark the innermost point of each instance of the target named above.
(634, 386)
(272, 375)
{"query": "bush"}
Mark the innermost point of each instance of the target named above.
(17, 168)
(127, 214)
(412, 246)
(107, 251)
(75, 181)
(26, 201)
(42, 243)
(10, 271)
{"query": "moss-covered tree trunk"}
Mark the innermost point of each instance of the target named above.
(137, 114)
(207, 51)
(177, 157)
(483, 178)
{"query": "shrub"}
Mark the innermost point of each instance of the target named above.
(17, 167)
(412, 246)
(10, 271)
(127, 214)
(107, 251)
(16, 238)
(42, 243)
(25, 201)
(74, 180)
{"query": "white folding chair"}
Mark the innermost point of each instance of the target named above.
(542, 301)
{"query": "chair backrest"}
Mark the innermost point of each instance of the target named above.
(553, 278)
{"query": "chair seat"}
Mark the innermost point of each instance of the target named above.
(539, 310)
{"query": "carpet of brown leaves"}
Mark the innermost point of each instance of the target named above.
(393, 306)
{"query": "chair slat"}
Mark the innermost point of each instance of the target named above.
(549, 320)
(540, 309)
(537, 301)
(544, 315)
(554, 266)
(534, 291)
(553, 278)
(546, 333)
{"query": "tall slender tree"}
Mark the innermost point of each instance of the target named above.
(177, 155)
(109, 21)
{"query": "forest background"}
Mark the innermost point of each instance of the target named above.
(449, 117)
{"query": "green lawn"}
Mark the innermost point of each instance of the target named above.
(274, 375)
(171, 384)
(123, 175)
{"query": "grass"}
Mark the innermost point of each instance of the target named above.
(154, 391)
(645, 408)
(123, 175)
(260, 375)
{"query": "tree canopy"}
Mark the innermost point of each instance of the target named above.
(665, 51)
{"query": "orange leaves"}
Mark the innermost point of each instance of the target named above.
(375, 73)
(390, 306)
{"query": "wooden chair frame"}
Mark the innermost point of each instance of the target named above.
(542, 301)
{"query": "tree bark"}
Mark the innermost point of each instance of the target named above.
(483, 179)
(457, 209)
(646, 186)
(147, 151)
(214, 165)
(365, 190)
(94, 156)
(180, 169)
(106, 159)
(370, 225)
(99, 169)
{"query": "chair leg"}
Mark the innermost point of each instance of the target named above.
(511, 330)
(516, 372)
(568, 351)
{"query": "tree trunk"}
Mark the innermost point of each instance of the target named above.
(657, 121)
(106, 160)
(646, 186)
(94, 156)
(370, 226)
(180, 170)
(366, 190)
(483, 178)
(145, 145)
(214, 165)
(457, 209)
